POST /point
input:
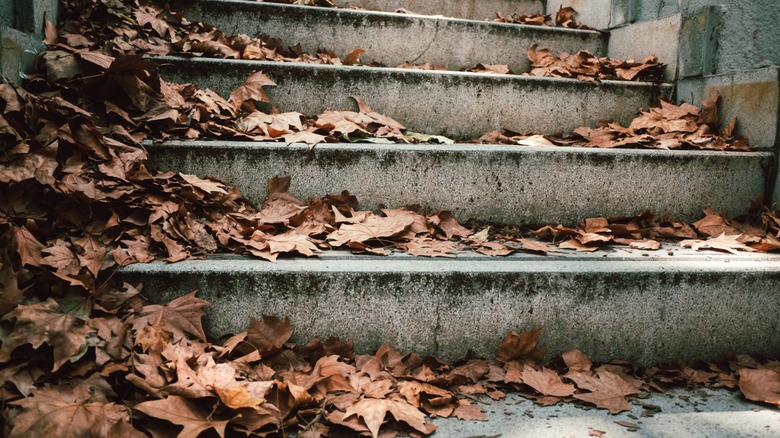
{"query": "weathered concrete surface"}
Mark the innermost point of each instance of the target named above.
(473, 9)
(753, 97)
(747, 37)
(392, 39)
(454, 104)
(690, 413)
(643, 307)
(17, 53)
(509, 184)
(631, 42)
(598, 14)
(699, 41)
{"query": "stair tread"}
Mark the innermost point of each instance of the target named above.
(500, 183)
(392, 39)
(647, 309)
(455, 104)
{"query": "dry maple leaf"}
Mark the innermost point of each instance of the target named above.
(183, 412)
(761, 385)
(723, 242)
(45, 323)
(181, 317)
(608, 390)
(576, 360)
(54, 412)
(469, 412)
(373, 227)
(373, 412)
(252, 90)
(269, 336)
(520, 346)
(547, 382)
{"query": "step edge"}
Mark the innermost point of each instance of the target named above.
(454, 148)
(357, 13)
(171, 60)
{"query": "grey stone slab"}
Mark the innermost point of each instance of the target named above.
(752, 96)
(699, 37)
(392, 39)
(473, 9)
(631, 42)
(593, 13)
(690, 413)
(642, 307)
(510, 184)
(17, 53)
(455, 104)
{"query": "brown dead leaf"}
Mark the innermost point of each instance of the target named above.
(469, 412)
(183, 412)
(547, 382)
(608, 390)
(520, 346)
(270, 335)
(373, 412)
(761, 385)
(181, 317)
(723, 242)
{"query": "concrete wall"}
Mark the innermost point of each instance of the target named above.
(21, 34)
(746, 35)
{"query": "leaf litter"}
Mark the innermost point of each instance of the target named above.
(78, 201)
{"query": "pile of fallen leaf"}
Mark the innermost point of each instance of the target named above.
(563, 18)
(586, 66)
(663, 126)
(79, 356)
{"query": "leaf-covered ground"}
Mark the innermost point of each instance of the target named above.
(80, 356)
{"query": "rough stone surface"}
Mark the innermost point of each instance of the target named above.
(509, 184)
(17, 53)
(747, 37)
(631, 42)
(692, 413)
(592, 13)
(30, 15)
(7, 13)
(392, 39)
(698, 42)
(458, 105)
(474, 9)
(642, 307)
(753, 97)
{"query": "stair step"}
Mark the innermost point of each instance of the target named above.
(455, 104)
(678, 412)
(392, 39)
(646, 307)
(507, 184)
(474, 9)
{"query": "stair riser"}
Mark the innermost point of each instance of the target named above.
(458, 105)
(512, 184)
(392, 39)
(633, 310)
(474, 9)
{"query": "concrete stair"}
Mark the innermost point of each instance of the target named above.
(643, 306)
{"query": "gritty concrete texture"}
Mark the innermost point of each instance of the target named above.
(753, 97)
(690, 413)
(392, 39)
(7, 14)
(30, 15)
(473, 9)
(17, 53)
(593, 13)
(659, 37)
(458, 105)
(698, 42)
(747, 37)
(646, 307)
(509, 184)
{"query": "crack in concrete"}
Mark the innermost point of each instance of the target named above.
(435, 35)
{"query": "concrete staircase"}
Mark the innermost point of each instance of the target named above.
(647, 307)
